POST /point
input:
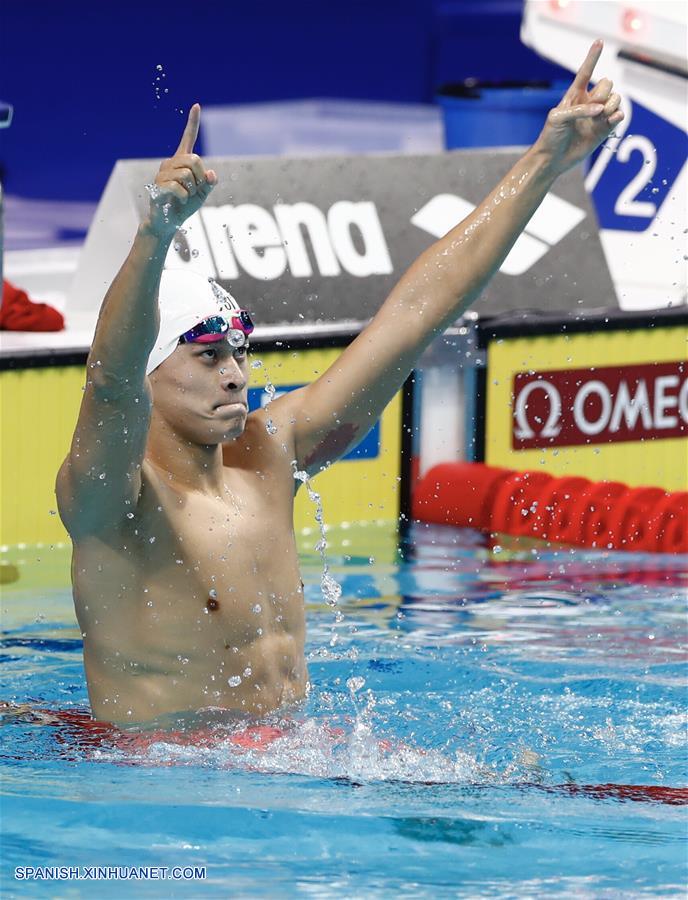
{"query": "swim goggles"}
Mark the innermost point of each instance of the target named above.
(235, 328)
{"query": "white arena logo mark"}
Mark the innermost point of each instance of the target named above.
(227, 239)
(552, 221)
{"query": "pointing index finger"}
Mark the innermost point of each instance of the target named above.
(188, 140)
(584, 74)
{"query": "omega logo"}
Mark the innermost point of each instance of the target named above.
(612, 403)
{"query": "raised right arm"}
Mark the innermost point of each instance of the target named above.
(100, 480)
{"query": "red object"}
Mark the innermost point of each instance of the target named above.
(463, 490)
(82, 732)
(554, 522)
(667, 532)
(571, 510)
(590, 513)
(639, 793)
(18, 313)
(628, 521)
(516, 506)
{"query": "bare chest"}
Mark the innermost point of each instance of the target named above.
(221, 567)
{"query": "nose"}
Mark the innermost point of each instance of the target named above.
(233, 376)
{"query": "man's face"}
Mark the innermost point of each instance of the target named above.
(201, 390)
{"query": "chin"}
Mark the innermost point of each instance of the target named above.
(233, 430)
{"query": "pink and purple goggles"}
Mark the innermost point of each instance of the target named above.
(235, 329)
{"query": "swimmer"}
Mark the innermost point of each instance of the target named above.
(179, 503)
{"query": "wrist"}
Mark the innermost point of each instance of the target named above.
(155, 233)
(543, 162)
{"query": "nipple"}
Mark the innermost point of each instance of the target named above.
(213, 603)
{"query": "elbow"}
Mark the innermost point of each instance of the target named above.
(109, 387)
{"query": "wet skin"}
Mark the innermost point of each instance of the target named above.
(180, 510)
(194, 598)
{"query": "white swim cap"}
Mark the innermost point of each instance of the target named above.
(185, 298)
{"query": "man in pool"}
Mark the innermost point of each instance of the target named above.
(179, 504)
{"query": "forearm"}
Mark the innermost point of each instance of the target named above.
(448, 277)
(129, 319)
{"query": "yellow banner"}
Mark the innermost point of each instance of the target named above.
(38, 413)
(606, 405)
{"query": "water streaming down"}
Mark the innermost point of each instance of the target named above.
(331, 589)
(270, 390)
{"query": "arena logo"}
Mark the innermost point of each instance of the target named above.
(550, 223)
(227, 240)
(600, 405)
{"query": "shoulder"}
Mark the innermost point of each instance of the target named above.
(267, 441)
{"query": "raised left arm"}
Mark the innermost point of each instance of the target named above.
(333, 413)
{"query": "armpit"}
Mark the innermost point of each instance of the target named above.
(333, 445)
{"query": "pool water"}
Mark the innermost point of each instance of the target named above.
(483, 722)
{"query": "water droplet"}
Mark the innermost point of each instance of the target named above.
(355, 684)
(257, 608)
(234, 681)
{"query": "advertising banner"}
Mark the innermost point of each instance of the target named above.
(609, 402)
(323, 240)
(571, 407)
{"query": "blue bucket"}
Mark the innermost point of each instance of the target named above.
(496, 114)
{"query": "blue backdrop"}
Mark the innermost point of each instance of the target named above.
(81, 75)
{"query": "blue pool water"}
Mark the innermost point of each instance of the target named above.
(487, 723)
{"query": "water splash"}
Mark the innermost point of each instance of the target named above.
(158, 88)
(330, 587)
(313, 747)
(270, 390)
